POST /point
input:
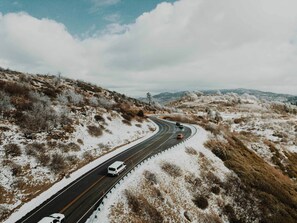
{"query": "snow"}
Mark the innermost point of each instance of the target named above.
(174, 155)
(293, 149)
(29, 206)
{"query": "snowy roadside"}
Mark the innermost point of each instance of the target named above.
(26, 208)
(176, 156)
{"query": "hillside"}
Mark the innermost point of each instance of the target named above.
(167, 97)
(239, 167)
(51, 126)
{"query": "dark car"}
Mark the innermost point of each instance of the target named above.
(181, 126)
(177, 124)
(180, 136)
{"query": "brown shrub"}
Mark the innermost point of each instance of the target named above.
(12, 150)
(151, 177)
(14, 88)
(215, 189)
(230, 213)
(172, 169)
(73, 147)
(88, 157)
(99, 118)
(142, 208)
(80, 141)
(126, 122)
(34, 148)
(94, 131)
(43, 159)
(58, 163)
(191, 151)
(201, 202)
(16, 169)
(72, 159)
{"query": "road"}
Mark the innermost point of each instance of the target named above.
(78, 200)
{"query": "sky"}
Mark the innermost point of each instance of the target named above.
(140, 46)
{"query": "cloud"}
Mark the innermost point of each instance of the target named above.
(188, 45)
(98, 4)
(114, 18)
(38, 45)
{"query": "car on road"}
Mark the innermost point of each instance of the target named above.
(116, 168)
(177, 124)
(180, 136)
(53, 218)
(181, 126)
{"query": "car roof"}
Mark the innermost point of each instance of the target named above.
(57, 216)
(116, 164)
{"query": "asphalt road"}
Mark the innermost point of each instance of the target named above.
(78, 200)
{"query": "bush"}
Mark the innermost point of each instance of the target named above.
(140, 113)
(201, 202)
(12, 150)
(126, 122)
(80, 141)
(151, 177)
(215, 189)
(43, 159)
(142, 208)
(88, 157)
(58, 163)
(72, 159)
(33, 148)
(5, 104)
(191, 151)
(172, 169)
(94, 131)
(99, 118)
(16, 170)
(40, 118)
(73, 147)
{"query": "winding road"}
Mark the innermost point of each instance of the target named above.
(79, 199)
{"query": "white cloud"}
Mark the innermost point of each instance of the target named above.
(38, 45)
(98, 4)
(114, 18)
(191, 44)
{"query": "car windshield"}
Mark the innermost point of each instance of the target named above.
(111, 168)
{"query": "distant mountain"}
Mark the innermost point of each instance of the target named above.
(166, 97)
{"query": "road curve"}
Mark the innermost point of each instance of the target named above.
(79, 199)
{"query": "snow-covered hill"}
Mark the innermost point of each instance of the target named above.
(51, 126)
(239, 167)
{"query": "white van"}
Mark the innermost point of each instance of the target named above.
(116, 168)
(53, 218)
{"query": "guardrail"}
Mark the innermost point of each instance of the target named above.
(121, 180)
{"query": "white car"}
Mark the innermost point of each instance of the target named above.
(53, 218)
(116, 168)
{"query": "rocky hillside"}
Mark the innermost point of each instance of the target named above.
(51, 126)
(239, 167)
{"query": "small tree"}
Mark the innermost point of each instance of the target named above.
(149, 98)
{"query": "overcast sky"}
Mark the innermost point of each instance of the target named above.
(139, 46)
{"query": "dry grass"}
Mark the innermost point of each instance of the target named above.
(276, 192)
(171, 169)
(142, 208)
